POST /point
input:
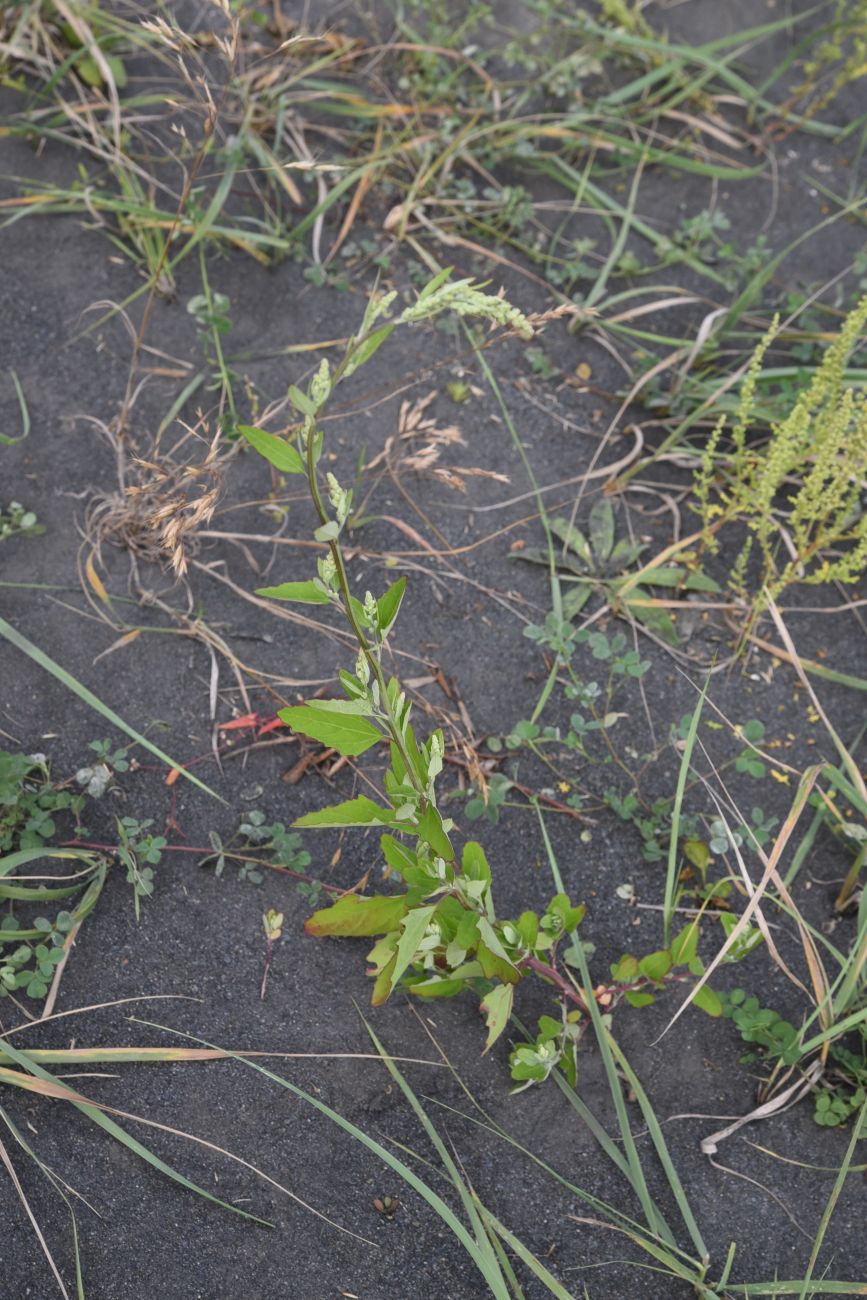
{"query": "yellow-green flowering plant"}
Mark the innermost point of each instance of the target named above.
(800, 493)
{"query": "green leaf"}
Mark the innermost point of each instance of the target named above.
(430, 828)
(494, 967)
(329, 531)
(663, 575)
(306, 593)
(347, 733)
(436, 283)
(351, 685)
(636, 999)
(437, 988)
(572, 537)
(626, 970)
(388, 605)
(527, 926)
(674, 575)
(90, 72)
(281, 454)
(653, 616)
(474, 863)
(700, 581)
(355, 915)
(415, 924)
(656, 965)
(602, 528)
(497, 1006)
(708, 1001)
(698, 853)
(684, 944)
(301, 401)
(493, 958)
(467, 933)
(400, 858)
(359, 708)
(368, 347)
(575, 599)
(352, 812)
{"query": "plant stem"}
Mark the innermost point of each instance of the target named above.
(367, 650)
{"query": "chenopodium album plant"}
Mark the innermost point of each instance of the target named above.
(442, 934)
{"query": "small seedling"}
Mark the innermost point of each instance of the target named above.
(17, 519)
(140, 852)
(29, 802)
(272, 925)
(599, 562)
(96, 776)
(275, 847)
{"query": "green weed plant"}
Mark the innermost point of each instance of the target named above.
(799, 493)
(441, 934)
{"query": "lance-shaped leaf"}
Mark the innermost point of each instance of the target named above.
(281, 454)
(708, 1001)
(306, 593)
(655, 617)
(354, 915)
(602, 529)
(430, 828)
(346, 732)
(497, 1006)
(368, 347)
(415, 924)
(388, 605)
(352, 812)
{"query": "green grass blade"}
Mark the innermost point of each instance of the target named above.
(403, 1171)
(536, 1267)
(655, 1130)
(654, 1219)
(78, 688)
(103, 1121)
(669, 898)
(467, 1199)
(5, 439)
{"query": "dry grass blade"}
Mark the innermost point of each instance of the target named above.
(848, 762)
(770, 874)
(45, 1086)
(10, 1169)
(782, 1101)
(815, 966)
(173, 1055)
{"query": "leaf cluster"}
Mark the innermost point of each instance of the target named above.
(599, 562)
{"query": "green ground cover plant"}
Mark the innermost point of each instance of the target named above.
(363, 161)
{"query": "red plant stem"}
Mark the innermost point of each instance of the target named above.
(616, 992)
(551, 973)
